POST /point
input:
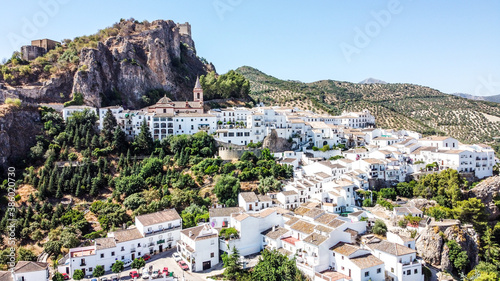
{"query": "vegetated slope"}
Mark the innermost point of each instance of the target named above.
(398, 106)
(495, 98)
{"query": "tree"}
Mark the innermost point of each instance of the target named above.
(78, 274)
(471, 210)
(98, 271)
(119, 143)
(138, 263)
(24, 254)
(108, 125)
(117, 267)
(232, 264)
(57, 277)
(379, 228)
(144, 142)
(53, 247)
(134, 201)
(457, 256)
(491, 249)
(227, 188)
(388, 193)
(405, 189)
(273, 266)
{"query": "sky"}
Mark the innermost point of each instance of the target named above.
(452, 46)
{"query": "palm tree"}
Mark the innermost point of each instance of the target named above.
(491, 249)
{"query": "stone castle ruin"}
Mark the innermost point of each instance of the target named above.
(37, 48)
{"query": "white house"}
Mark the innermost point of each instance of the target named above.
(356, 263)
(27, 271)
(70, 110)
(199, 247)
(221, 217)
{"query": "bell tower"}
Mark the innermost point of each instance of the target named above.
(197, 91)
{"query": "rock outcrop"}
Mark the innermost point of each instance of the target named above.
(431, 243)
(123, 68)
(486, 191)
(18, 129)
(275, 143)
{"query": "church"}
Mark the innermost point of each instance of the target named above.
(169, 107)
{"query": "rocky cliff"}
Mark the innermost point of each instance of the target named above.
(275, 143)
(488, 191)
(122, 68)
(431, 243)
(18, 128)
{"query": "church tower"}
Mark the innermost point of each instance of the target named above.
(197, 91)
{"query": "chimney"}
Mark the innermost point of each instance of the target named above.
(274, 228)
(190, 233)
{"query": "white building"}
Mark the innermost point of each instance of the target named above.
(356, 263)
(27, 271)
(199, 247)
(70, 110)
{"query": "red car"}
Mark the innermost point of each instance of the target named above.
(133, 274)
(65, 276)
(183, 265)
(165, 270)
(146, 257)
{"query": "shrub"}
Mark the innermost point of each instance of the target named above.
(15, 102)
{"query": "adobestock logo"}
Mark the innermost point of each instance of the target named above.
(30, 26)
(487, 86)
(223, 6)
(364, 36)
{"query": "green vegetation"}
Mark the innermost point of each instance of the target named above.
(77, 100)
(232, 266)
(78, 274)
(379, 228)
(98, 271)
(225, 86)
(15, 102)
(226, 233)
(273, 266)
(138, 263)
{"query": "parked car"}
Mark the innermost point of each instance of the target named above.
(176, 256)
(156, 274)
(183, 265)
(114, 278)
(94, 279)
(104, 279)
(146, 257)
(127, 263)
(134, 274)
(165, 270)
(145, 274)
(65, 276)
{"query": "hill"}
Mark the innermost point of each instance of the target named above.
(398, 106)
(118, 65)
(495, 98)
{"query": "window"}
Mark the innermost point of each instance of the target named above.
(123, 257)
(123, 248)
(392, 269)
(212, 255)
(342, 257)
(379, 270)
(112, 254)
(102, 256)
(138, 245)
(416, 271)
(367, 274)
(90, 269)
(408, 272)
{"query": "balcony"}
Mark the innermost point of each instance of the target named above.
(160, 241)
(162, 231)
(132, 250)
(151, 244)
(170, 239)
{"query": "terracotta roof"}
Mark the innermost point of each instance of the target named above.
(322, 175)
(276, 233)
(326, 218)
(366, 261)
(303, 226)
(105, 243)
(334, 275)
(264, 198)
(198, 234)
(281, 211)
(357, 213)
(372, 161)
(224, 212)
(292, 221)
(159, 217)
(30, 266)
(249, 196)
(5, 276)
(435, 138)
(391, 248)
(127, 235)
(289, 192)
(315, 239)
(290, 240)
(314, 213)
(335, 223)
(266, 212)
(344, 248)
(288, 160)
(353, 232)
(323, 228)
(284, 251)
(241, 217)
(410, 210)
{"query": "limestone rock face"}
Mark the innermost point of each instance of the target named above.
(275, 143)
(123, 68)
(486, 192)
(432, 248)
(18, 130)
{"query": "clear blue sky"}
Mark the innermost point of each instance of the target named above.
(453, 46)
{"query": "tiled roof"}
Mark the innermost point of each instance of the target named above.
(288, 160)
(301, 211)
(241, 217)
(198, 234)
(344, 248)
(314, 213)
(391, 248)
(289, 192)
(357, 213)
(335, 223)
(323, 228)
(276, 233)
(105, 243)
(290, 240)
(224, 212)
(292, 221)
(30, 266)
(315, 239)
(266, 212)
(366, 261)
(326, 218)
(264, 198)
(127, 235)
(159, 217)
(5, 276)
(249, 196)
(303, 226)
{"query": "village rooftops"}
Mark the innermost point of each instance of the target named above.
(366, 261)
(292, 221)
(275, 232)
(303, 227)
(334, 275)
(315, 239)
(264, 198)
(373, 161)
(344, 249)
(249, 196)
(288, 160)
(410, 210)
(290, 240)
(435, 138)
(357, 213)
(200, 232)
(105, 243)
(240, 217)
(326, 218)
(301, 211)
(5, 276)
(30, 266)
(322, 175)
(224, 212)
(289, 193)
(314, 213)
(335, 223)
(391, 248)
(158, 217)
(322, 228)
(126, 235)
